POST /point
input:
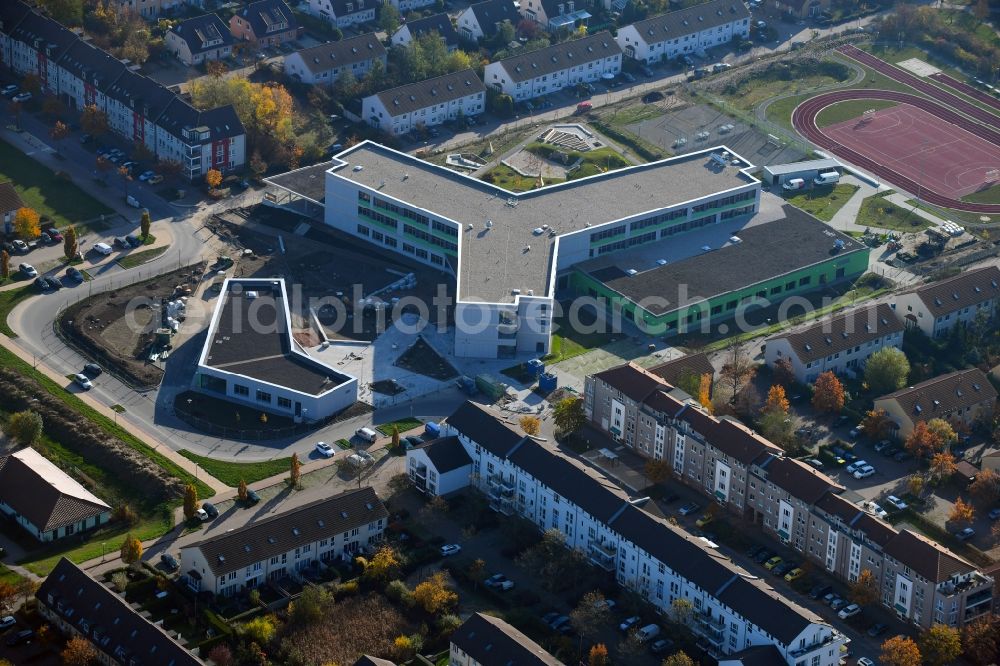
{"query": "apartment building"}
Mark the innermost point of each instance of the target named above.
(547, 70)
(937, 308)
(281, 545)
(484, 640)
(691, 30)
(791, 502)
(425, 103)
(439, 24)
(439, 467)
(405, 6)
(325, 63)
(962, 398)
(79, 606)
(556, 15)
(344, 13)
(152, 9)
(732, 609)
(264, 23)
(200, 39)
(482, 20)
(138, 108)
(840, 344)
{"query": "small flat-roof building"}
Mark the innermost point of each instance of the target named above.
(46, 501)
(779, 174)
(251, 357)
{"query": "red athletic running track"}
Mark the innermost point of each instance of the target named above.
(804, 121)
(918, 145)
(968, 90)
(917, 83)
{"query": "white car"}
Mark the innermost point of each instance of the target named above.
(83, 381)
(864, 472)
(324, 449)
(22, 97)
(856, 465)
(875, 509)
(450, 549)
(102, 248)
(8, 90)
(28, 270)
(146, 175)
(7, 621)
(201, 515)
(896, 503)
(849, 611)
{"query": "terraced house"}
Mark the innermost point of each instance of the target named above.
(920, 580)
(425, 103)
(733, 610)
(283, 545)
(325, 63)
(691, 30)
(961, 398)
(937, 308)
(483, 19)
(550, 69)
(138, 109)
(344, 13)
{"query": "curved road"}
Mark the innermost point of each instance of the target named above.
(804, 121)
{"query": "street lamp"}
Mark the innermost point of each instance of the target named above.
(103, 543)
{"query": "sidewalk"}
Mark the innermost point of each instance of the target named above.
(135, 429)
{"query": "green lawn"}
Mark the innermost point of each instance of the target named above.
(567, 343)
(107, 540)
(402, 424)
(511, 180)
(10, 360)
(8, 576)
(8, 301)
(841, 111)
(230, 472)
(633, 114)
(877, 212)
(754, 91)
(823, 201)
(54, 197)
(989, 196)
(949, 214)
(143, 256)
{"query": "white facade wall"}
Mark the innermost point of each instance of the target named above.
(634, 45)
(360, 11)
(838, 363)
(375, 113)
(912, 310)
(468, 25)
(58, 533)
(278, 566)
(295, 66)
(429, 480)
(409, 5)
(496, 75)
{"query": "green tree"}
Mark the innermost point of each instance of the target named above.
(190, 501)
(70, 244)
(940, 645)
(131, 550)
(25, 427)
(4, 264)
(388, 18)
(260, 630)
(568, 415)
(312, 606)
(394, 444)
(67, 12)
(681, 611)
(144, 223)
(887, 370)
(590, 614)
(777, 427)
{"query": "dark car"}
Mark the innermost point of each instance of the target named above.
(55, 282)
(169, 562)
(877, 630)
(23, 636)
(74, 274)
(763, 556)
(8, 247)
(55, 235)
(754, 551)
(44, 238)
(133, 240)
(121, 243)
(783, 568)
(252, 497)
(902, 456)
(92, 370)
(210, 510)
(412, 442)
(820, 591)
(42, 283)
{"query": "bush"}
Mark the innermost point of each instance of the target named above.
(397, 591)
(348, 589)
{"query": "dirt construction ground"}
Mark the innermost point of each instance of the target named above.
(332, 270)
(99, 327)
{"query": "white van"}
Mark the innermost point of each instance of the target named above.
(648, 632)
(366, 434)
(794, 184)
(132, 201)
(828, 178)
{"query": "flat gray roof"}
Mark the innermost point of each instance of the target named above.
(497, 260)
(308, 182)
(808, 165)
(778, 240)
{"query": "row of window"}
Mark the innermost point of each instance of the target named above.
(658, 219)
(725, 201)
(376, 216)
(242, 391)
(428, 238)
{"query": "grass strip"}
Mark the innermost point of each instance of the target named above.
(231, 472)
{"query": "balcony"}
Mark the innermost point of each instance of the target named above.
(500, 487)
(602, 554)
(711, 628)
(977, 604)
(835, 636)
(501, 505)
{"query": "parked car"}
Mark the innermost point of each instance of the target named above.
(102, 248)
(794, 574)
(44, 238)
(155, 180)
(648, 632)
(121, 243)
(994, 514)
(23, 636)
(815, 462)
(882, 446)
(763, 556)
(877, 630)
(19, 245)
(689, 508)
(169, 562)
(783, 568)
(324, 449)
(902, 456)
(8, 90)
(27, 270)
(855, 466)
(629, 622)
(875, 510)
(965, 534)
(838, 603)
(83, 381)
(864, 472)
(506, 585)
(21, 97)
(819, 591)
(133, 240)
(773, 562)
(146, 175)
(55, 235)
(252, 497)
(74, 274)
(210, 509)
(559, 622)
(495, 580)
(450, 549)
(42, 283)
(661, 645)
(896, 503)
(7, 621)
(849, 611)
(201, 515)
(705, 519)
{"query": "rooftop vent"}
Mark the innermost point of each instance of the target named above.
(918, 409)
(295, 531)
(632, 271)
(343, 514)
